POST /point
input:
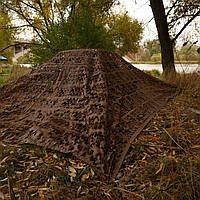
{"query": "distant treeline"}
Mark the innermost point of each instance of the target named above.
(150, 53)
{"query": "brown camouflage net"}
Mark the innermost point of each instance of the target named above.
(88, 102)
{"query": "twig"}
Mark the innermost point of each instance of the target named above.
(11, 45)
(174, 140)
(10, 187)
(117, 188)
(192, 183)
(154, 130)
(162, 146)
(174, 5)
(183, 28)
(195, 111)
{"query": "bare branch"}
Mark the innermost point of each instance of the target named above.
(148, 22)
(59, 10)
(20, 12)
(173, 6)
(178, 18)
(184, 27)
(12, 45)
(43, 14)
(30, 6)
(16, 27)
(26, 19)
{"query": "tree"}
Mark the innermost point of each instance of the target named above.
(181, 12)
(188, 53)
(126, 33)
(153, 46)
(182, 8)
(6, 35)
(68, 24)
(163, 35)
(83, 28)
(40, 15)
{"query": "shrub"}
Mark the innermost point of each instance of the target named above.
(154, 73)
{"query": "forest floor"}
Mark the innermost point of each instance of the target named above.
(162, 163)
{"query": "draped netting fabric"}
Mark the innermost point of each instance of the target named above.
(88, 102)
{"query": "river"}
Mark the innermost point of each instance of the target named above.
(187, 68)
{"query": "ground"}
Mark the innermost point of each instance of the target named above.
(162, 163)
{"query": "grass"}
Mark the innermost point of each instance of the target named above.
(11, 74)
(154, 72)
(162, 163)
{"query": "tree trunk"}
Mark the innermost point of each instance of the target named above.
(163, 35)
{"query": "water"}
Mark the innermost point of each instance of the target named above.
(187, 68)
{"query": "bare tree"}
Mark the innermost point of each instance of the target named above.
(186, 9)
(163, 35)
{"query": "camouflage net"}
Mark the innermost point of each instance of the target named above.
(89, 102)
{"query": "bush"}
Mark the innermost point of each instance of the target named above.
(156, 57)
(154, 73)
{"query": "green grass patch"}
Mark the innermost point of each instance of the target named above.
(6, 70)
(153, 72)
(11, 74)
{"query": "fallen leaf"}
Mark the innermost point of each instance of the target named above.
(195, 147)
(150, 151)
(85, 176)
(55, 156)
(41, 194)
(71, 169)
(30, 189)
(6, 159)
(72, 174)
(161, 166)
(5, 179)
(92, 172)
(28, 168)
(2, 186)
(78, 191)
(43, 189)
(78, 166)
(16, 189)
(58, 167)
(72, 162)
(2, 196)
(71, 179)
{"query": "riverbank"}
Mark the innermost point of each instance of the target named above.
(176, 62)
